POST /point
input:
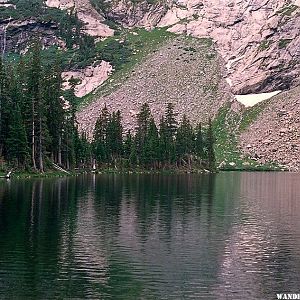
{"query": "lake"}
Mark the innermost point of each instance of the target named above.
(225, 236)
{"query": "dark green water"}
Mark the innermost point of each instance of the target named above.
(227, 236)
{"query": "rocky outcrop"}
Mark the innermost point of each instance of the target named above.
(15, 34)
(184, 71)
(248, 35)
(93, 21)
(89, 78)
(275, 135)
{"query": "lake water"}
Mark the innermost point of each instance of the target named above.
(224, 236)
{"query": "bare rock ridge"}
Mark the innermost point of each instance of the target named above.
(259, 40)
(275, 135)
(184, 71)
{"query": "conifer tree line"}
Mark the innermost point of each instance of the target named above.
(168, 145)
(37, 122)
(38, 128)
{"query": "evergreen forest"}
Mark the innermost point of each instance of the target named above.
(38, 128)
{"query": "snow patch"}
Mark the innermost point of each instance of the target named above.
(252, 99)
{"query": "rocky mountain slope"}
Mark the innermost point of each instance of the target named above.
(274, 134)
(258, 40)
(184, 71)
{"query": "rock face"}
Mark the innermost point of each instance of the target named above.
(275, 135)
(184, 71)
(93, 21)
(15, 34)
(259, 40)
(90, 78)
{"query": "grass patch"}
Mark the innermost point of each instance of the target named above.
(227, 127)
(226, 142)
(251, 114)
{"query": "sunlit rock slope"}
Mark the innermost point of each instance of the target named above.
(274, 133)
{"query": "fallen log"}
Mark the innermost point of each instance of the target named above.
(60, 169)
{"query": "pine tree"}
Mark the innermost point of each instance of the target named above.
(199, 143)
(69, 133)
(34, 107)
(119, 134)
(100, 136)
(210, 147)
(151, 148)
(127, 145)
(170, 119)
(83, 151)
(163, 140)
(170, 131)
(184, 139)
(133, 158)
(143, 121)
(18, 150)
(115, 136)
(54, 102)
(5, 109)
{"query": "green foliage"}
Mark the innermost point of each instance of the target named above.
(199, 142)
(208, 42)
(169, 147)
(36, 9)
(210, 147)
(16, 143)
(101, 6)
(227, 126)
(185, 139)
(35, 128)
(143, 123)
(251, 114)
(283, 43)
(80, 50)
(116, 52)
(264, 45)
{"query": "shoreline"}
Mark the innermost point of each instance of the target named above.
(53, 174)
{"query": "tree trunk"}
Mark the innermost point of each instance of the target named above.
(41, 162)
(59, 151)
(33, 137)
